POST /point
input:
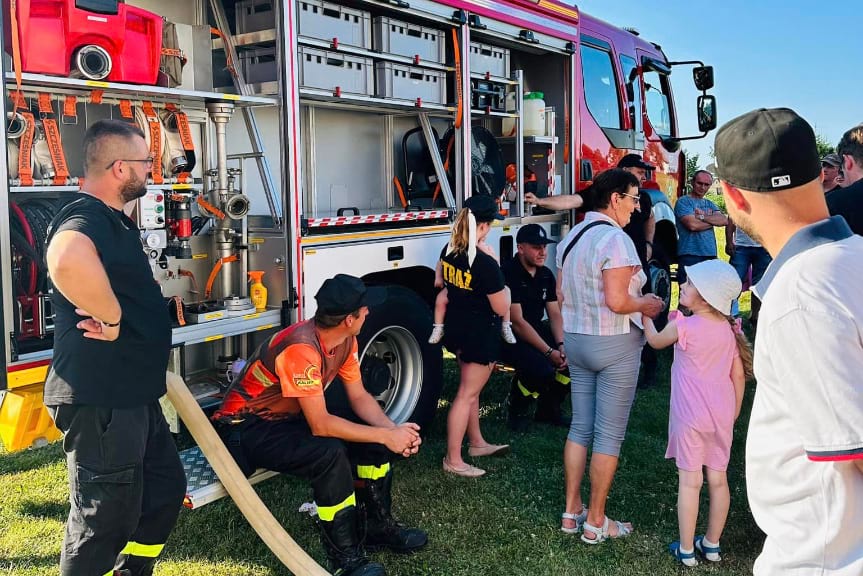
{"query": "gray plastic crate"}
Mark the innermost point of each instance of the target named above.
(404, 39)
(409, 83)
(330, 70)
(254, 15)
(259, 65)
(485, 58)
(325, 21)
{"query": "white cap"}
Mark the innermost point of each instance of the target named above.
(717, 282)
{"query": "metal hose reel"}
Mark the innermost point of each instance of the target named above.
(91, 62)
(15, 125)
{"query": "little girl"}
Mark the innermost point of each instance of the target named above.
(712, 360)
(441, 302)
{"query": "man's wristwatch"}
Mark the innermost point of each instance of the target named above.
(110, 324)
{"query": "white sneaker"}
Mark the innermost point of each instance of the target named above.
(506, 332)
(437, 334)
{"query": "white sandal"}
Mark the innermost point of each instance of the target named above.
(601, 534)
(579, 520)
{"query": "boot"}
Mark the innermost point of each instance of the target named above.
(549, 406)
(519, 405)
(374, 499)
(344, 550)
(130, 565)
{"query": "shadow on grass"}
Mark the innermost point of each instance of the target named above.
(53, 510)
(14, 462)
(45, 564)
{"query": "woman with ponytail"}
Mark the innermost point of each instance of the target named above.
(477, 301)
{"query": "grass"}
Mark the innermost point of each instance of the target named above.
(506, 523)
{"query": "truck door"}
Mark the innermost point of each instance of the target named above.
(632, 92)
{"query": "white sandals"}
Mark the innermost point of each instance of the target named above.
(579, 520)
(602, 534)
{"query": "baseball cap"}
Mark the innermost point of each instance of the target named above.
(484, 208)
(532, 234)
(343, 294)
(717, 282)
(767, 150)
(833, 159)
(634, 161)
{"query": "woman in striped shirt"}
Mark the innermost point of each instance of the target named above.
(599, 286)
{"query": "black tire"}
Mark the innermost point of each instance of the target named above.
(400, 368)
(660, 281)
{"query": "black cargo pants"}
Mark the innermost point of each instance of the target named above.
(126, 488)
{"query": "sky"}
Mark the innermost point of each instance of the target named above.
(764, 53)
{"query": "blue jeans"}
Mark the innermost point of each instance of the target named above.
(746, 256)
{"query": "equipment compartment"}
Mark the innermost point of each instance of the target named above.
(327, 21)
(332, 70)
(487, 59)
(409, 83)
(404, 39)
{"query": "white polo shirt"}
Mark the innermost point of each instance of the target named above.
(806, 428)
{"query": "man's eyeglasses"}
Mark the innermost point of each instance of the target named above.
(148, 160)
(633, 196)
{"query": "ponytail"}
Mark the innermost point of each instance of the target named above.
(460, 236)
(744, 348)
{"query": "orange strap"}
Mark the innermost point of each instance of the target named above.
(125, 109)
(52, 138)
(18, 100)
(191, 276)
(96, 96)
(215, 272)
(229, 63)
(70, 107)
(401, 192)
(25, 150)
(210, 208)
(177, 303)
(155, 140)
(457, 54)
(175, 52)
(185, 136)
(566, 134)
(16, 43)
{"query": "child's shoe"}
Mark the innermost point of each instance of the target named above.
(708, 549)
(506, 332)
(437, 334)
(685, 558)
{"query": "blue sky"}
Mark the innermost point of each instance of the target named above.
(765, 53)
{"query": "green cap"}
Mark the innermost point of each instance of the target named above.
(534, 96)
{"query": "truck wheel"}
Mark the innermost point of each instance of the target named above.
(660, 279)
(400, 368)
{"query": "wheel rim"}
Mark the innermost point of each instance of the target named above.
(399, 350)
(661, 281)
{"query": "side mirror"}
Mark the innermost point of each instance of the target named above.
(671, 144)
(703, 76)
(706, 113)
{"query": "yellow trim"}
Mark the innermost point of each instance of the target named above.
(360, 236)
(525, 391)
(142, 550)
(562, 378)
(558, 9)
(328, 513)
(26, 377)
(373, 472)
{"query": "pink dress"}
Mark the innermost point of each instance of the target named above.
(701, 418)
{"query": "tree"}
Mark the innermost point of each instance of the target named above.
(824, 147)
(692, 165)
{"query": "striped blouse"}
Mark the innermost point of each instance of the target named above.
(601, 248)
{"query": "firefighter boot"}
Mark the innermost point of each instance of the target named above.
(342, 545)
(374, 498)
(132, 565)
(519, 404)
(549, 406)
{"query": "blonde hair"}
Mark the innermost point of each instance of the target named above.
(460, 236)
(744, 348)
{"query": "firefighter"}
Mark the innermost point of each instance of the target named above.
(111, 343)
(275, 416)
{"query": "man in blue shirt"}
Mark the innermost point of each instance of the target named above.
(696, 218)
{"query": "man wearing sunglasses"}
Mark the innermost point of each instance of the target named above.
(111, 344)
(696, 218)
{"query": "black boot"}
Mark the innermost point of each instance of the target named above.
(548, 407)
(374, 499)
(519, 405)
(344, 550)
(130, 565)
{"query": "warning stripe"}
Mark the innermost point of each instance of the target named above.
(377, 218)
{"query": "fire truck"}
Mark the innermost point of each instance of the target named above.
(304, 138)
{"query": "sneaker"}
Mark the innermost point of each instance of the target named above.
(506, 332)
(437, 334)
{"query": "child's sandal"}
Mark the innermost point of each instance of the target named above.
(710, 553)
(685, 558)
(579, 520)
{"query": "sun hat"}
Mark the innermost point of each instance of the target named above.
(717, 282)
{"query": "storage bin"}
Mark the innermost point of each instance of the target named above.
(325, 21)
(331, 70)
(409, 83)
(259, 65)
(485, 58)
(404, 39)
(254, 15)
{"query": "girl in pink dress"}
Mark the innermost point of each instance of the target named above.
(712, 360)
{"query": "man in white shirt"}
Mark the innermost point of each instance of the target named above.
(804, 451)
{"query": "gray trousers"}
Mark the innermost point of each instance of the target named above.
(603, 372)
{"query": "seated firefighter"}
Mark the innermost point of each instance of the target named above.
(537, 355)
(275, 416)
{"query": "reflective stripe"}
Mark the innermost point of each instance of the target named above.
(109, 572)
(142, 550)
(327, 513)
(525, 391)
(373, 472)
(562, 378)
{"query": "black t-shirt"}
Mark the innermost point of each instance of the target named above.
(848, 203)
(635, 228)
(468, 286)
(130, 371)
(531, 292)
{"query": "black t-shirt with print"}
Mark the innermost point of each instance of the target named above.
(129, 371)
(468, 286)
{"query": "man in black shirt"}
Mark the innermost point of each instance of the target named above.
(848, 201)
(537, 355)
(111, 344)
(831, 167)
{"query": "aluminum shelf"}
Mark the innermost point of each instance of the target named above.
(76, 188)
(529, 140)
(371, 103)
(354, 51)
(58, 84)
(226, 327)
(498, 79)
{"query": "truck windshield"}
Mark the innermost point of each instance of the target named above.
(656, 97)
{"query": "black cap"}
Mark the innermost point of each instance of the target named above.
(532, 234)
(634, 161)
(483, 207)
(767, 150)
(343, 294)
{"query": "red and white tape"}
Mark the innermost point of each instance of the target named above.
(377, 218)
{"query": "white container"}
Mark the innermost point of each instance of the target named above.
(533, 114)
(508, 124)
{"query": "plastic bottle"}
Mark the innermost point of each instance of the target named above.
(534, 114)
(508, 127)
(258, 292)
